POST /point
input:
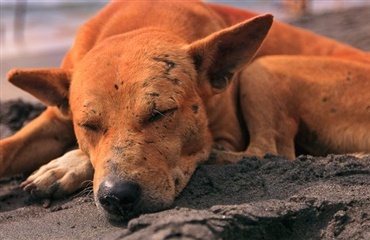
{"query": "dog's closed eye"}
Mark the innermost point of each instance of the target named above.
(90, 126)
(157, 115)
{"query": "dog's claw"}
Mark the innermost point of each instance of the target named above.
(33, 190)
(46, 203)
(28, 187)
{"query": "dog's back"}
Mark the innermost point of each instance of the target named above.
(122, 17)
(192, 20)
(284, 39)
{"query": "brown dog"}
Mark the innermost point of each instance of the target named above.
(148, 88)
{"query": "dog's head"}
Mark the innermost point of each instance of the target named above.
(138, 102)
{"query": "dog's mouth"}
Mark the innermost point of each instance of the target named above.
(124, 216)
(120, 214)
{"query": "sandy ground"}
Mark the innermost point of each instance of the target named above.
(311, 198)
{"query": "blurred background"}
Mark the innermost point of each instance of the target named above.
(38, 33)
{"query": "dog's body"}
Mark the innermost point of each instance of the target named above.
(148, 88)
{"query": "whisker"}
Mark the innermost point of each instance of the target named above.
(87, 191)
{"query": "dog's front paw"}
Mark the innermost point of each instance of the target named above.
(221, 156)
(61, 176)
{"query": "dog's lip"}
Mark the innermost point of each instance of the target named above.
(120, 215)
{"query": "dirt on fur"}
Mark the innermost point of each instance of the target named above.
(273, 198)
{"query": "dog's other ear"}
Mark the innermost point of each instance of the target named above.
(220, 55)
(50, 86)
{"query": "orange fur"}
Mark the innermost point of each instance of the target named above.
(149, 94)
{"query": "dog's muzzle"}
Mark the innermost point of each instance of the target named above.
(119, 198)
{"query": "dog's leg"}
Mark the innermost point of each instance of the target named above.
(61, 176)
(43, 139)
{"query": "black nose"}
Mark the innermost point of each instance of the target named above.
(118, 197)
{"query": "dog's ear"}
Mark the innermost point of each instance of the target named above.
(50, 86)
(220, 55)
